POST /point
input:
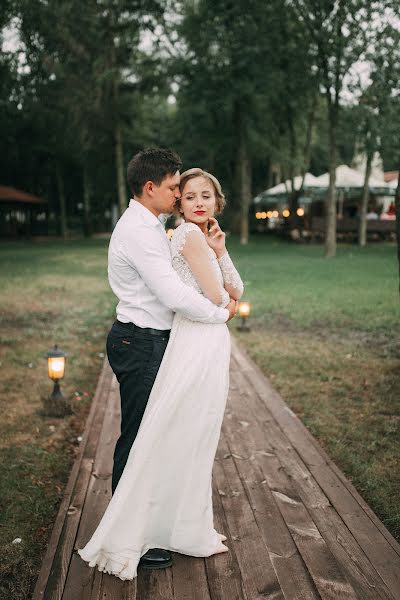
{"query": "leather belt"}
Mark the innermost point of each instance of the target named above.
(150, 330)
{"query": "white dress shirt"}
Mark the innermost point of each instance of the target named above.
(141, 275)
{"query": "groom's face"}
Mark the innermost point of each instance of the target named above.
(167, 193)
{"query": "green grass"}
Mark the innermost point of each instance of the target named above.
(357, 289)
(326, 332)
(50, 293)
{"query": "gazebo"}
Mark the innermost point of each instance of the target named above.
(20, 212)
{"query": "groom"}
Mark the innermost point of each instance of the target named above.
(149, 291)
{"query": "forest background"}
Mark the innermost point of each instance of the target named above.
(235, 88)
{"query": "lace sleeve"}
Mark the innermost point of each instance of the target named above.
(232, 281)
(196, 253)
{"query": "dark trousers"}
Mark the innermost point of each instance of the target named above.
(135, 357)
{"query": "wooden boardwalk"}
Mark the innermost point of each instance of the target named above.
(296, 528)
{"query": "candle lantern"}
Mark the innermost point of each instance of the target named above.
(244, 312)
(56, 363)
(56, 405)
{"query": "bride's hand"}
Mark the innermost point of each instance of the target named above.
(216, 238)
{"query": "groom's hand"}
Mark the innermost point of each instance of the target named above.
(232, 307)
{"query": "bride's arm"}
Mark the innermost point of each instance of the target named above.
(197, 255)
(232, 281)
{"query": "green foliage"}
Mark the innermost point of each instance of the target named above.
(245, 79)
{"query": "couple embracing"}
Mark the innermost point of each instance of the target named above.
(169, 349)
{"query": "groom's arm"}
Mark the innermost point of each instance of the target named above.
(154, 266)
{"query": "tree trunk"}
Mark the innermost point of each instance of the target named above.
(232, 211)
(362, 227)
(293, 195)
(330, 219)
(61, 197)
(119, 162)
(244, 167)
(397, 201)
(295, 221)
(308, 142)
(87, 225)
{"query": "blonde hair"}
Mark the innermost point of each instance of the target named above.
(196, 172)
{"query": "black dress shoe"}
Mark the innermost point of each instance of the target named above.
(156, 559)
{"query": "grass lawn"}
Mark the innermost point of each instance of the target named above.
(50, 293)
(326, 332)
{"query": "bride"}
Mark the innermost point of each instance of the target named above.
(163, 499)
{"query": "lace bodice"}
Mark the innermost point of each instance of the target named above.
(224, 269)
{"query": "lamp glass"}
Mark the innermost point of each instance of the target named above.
(56, 367)
(244, 308)
(56, 363)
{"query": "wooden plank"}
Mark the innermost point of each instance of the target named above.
(189, 578)
(307, 445)
(116, 589)
(155, 585)
(348, 553)
(258, 575)
(82, 584)
(223, 573)
(97, 498)
(113, 588)
(365, 526)
(346, 550)
(52, 575)
(244, 438)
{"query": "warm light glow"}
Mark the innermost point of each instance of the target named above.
(258, 215)
(170, 233)
(275, 214)
(286, 213)
(263, 215)
(300, 212)
(244, 308)
(56, 367)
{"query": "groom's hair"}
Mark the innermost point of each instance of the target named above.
(151, 164)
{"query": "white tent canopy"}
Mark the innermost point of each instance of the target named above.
(286, 187)
(346, 179)
(349, 178)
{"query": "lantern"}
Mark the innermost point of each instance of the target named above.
(56, 363)
(244, 312)
(56, 404)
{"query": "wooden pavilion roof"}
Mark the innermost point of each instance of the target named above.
(11, 195)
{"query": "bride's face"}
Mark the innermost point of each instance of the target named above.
(198, 200)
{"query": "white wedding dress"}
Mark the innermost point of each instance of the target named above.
(163, 499)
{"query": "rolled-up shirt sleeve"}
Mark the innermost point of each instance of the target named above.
(153, 264)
